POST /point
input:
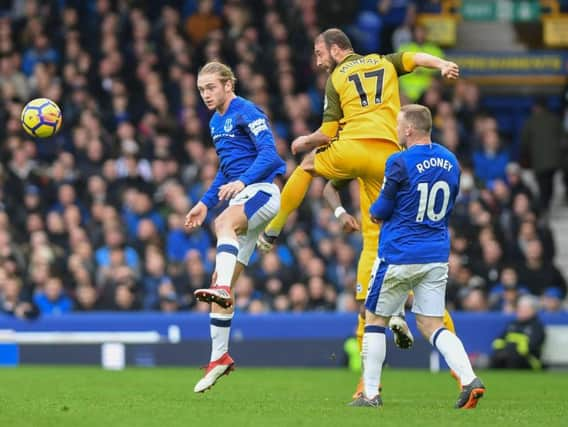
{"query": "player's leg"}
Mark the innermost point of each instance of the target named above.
(257, 204)
(231, 222)
(370, 235)
(449, 325)
(293, 194)
(385, 294)
(220, 362)
(228, 225)
(328, 161)
(449, 322)
(429, 298)
(370, 186)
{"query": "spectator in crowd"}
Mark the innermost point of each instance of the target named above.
(11, 301)
(52, 298)
(551, 300)
(202, 22)
(86, 299)
(505, 294)
(541, 142)
(414, 85)
(490, 161)
(520, 345)
(539, 274)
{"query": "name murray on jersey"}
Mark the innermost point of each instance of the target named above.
(364, 60)
(434, 162)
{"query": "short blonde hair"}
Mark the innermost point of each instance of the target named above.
(224, 71)
(419, 116)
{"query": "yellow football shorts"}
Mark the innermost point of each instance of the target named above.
(365, 160)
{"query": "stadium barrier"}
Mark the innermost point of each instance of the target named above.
(307, 339)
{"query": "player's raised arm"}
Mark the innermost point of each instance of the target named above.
(448, 69)
(406, 62)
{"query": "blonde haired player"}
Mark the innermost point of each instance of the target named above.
(248, 165)
(357, 135)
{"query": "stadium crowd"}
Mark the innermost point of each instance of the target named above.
(92, 219)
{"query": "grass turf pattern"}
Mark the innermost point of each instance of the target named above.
(89, 396)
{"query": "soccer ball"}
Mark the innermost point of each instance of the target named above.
(41, 118)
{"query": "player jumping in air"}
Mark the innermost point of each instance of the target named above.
(420, 188)
(356, 137)
(248, 164)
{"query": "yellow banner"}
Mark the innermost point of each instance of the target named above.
(555, 30)
(441, 29)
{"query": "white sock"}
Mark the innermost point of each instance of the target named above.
(226, 260)
(453, 351)
(374, 351)
(220, 331)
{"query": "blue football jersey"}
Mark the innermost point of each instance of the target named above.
(420, 188)
(245, 146)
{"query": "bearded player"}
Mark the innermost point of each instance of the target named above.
(356, 137)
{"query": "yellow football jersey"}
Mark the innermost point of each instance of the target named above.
(362, 96)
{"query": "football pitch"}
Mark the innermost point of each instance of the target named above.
(78, 396)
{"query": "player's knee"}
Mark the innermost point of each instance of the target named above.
(428, 325)
(308, 162)
(371, 319)
(223, 224)
(230, 221)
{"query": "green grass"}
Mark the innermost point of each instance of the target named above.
(76, 396)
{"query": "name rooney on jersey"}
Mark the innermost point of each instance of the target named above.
(434, 162)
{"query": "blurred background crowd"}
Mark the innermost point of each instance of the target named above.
(93, 218)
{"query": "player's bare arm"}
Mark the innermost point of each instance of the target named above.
(449, 70)
(309, 142)
(333, 199)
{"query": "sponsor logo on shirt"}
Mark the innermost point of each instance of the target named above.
(258, 126)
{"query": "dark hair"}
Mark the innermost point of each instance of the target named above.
(334, 36)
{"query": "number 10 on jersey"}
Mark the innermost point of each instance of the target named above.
(427, 202)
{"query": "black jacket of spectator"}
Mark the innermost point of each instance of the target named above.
(519, 347)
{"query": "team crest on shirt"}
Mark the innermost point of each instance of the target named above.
(228, 125)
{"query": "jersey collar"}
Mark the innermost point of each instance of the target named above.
(350, 57)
